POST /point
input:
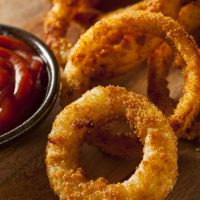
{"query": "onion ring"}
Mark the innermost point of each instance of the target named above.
(86, 64)
(65, 14)
(67, 20)
(189, 16)
(159, 66)
(157, 172)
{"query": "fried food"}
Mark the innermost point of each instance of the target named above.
(189, 16)
(157, 172)
(159, 64)
(68, 20)
(99, 54)
(65, 22)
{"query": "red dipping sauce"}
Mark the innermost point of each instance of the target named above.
(23, 82)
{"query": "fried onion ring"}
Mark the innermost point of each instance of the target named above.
(64, 15)
(189, 16)
(157, 172)
(98, 54)
(159, 64)
(67, 20)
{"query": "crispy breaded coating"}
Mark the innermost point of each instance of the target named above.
(160, 63)
(156, 174)
(99, 52)
(69, 19)
(189, 16)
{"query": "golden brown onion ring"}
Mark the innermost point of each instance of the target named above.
(159, 66)
(189, 16)
(64, 23)
(67, 20)
(99, 53)
(157, 172)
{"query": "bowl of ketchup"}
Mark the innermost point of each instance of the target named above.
(29, 82)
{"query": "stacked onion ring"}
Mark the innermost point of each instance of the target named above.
(159, 65)
(99, 55)
(114, 45)
(68, 20)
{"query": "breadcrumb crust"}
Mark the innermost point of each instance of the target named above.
(155, 176)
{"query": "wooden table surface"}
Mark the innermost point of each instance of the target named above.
(22, 168)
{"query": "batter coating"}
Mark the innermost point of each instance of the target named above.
(68, 20)
(99, 52)
(164, 58)
(155, 176)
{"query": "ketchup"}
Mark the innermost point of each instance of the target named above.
(23, 82)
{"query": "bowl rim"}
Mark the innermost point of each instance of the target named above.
(53, 85)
